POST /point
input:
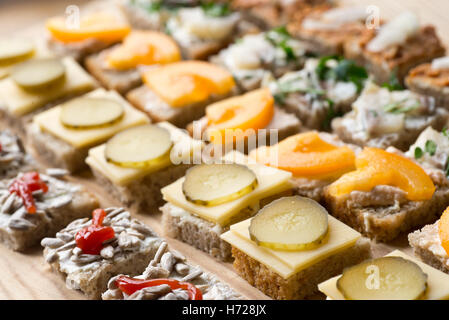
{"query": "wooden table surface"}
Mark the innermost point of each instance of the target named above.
(27, 276)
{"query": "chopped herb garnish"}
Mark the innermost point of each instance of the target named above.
(393, 84)
(396, 108)
(216, 9)
(445, 132)
(345, 70)
(331, 114)
(418, 153)
(279, 37)
(279, 98)
(446, 167)
(431, 147)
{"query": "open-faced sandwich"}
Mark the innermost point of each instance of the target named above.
(36, 85)
(256, 56)
(203, 204)
(64, 134)
(136, 163)
(431, 79)
(324, 89)
(395, 47)
(169, 277)
(395, 276)
(381, 118)
(179, 92)
(34, 206)
(291, 246)
(88, 252)
(244, 122)
(120, 67)
(386, 195)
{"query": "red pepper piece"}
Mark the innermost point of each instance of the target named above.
(0, 147)
(24, 187)
(90, 239)
(130, 285)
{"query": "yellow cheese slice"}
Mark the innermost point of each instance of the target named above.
(49, 121)
(20, 102)
(288, 263)
(123, 176)
(271, 181)
(40, 51)
(437, 281)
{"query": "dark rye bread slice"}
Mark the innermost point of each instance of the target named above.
(61, 204)
(385, 223)
(304, 283)
(158, 110)
(56, 152)
(424, 243)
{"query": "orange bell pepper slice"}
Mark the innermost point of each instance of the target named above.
(307, 155)
(144, 48)
(101, 26)
(232, 117)
(378, 167)
(187, 82)
(443, 230)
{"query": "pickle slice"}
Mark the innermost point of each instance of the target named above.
(139, 147)
(387, 278)
(39, 74)
(15, 50)
(85, 112)
(291, 224)
(214, 184)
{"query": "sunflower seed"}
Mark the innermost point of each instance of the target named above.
(112, 284)
(135, 233)
(56, 172)
(160, 251)
(52, 257)
(52, 242)
(68, 245)
(150, 293)
(142, 229)
(107, 252)
(114, 212)
(182, 269)
(168, 261)
(113, 294)
(8, 204)
(192, 275)
(178, 255)
(169, 296)
(59, 202)
(109, 241)
(77, 251)
(85, 258)
(181, 294)
(64, 236)
(155, 272)
(20, 224)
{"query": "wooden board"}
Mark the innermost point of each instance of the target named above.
(27, 276)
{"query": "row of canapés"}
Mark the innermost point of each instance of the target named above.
(242, 207)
